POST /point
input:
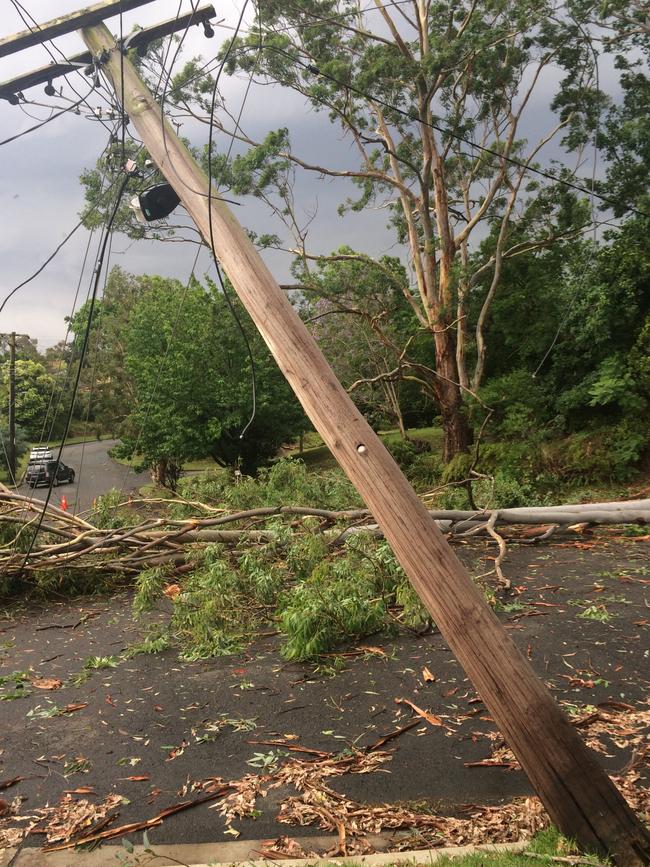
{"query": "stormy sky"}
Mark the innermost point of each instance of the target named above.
(40, 193)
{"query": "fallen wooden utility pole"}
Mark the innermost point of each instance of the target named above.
(579, 796)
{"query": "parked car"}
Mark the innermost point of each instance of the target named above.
(48, 472)
(40, 454)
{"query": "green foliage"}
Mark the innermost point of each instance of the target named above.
(34, 391)
(22, 446)
(321, 595)
(212, 615)
(287, 482)
(349, 594)
(155, 642)
(113, 388)
(191, 376)
(107, 514)
(328, 608)
(148, 588)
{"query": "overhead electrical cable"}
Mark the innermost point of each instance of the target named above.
(35, 28)
(226, 293)
(584, 272)
(47, 120)
(58, 388)
(314, 70)
(55, 384)
(49, 258)
(93, 377)
(107, 233)
(43, 266)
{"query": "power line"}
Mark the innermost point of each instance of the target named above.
(226, 294)
(59, 388)
(95, 286)
(48, 119)
(93, 378)
(52, 255)
(43, 266)
(123, 114)
(314, 70)
(24, 15)
(584, 271)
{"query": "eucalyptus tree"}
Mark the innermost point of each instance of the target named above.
(439, 101)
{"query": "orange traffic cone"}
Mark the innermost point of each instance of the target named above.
(64, 503)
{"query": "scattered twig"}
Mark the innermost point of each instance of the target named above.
(391, 736)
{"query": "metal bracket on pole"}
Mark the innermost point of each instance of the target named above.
(139, 40)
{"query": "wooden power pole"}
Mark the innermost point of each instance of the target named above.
(579, 796)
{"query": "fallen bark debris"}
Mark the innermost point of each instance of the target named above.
(74, 823)
(391, 736)
(7, 784)
(133, 827)
(294, 748)
(425, 714)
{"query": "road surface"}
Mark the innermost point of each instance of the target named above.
(95, 474)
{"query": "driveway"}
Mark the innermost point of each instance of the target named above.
(95, 474)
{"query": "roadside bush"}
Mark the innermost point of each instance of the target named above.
(521, 407)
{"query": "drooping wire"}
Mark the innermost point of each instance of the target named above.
(165, 56)
(107, 233)
(60, 389)
(314, 70)
(56, 380)
(43, 266)
(221, 281)
(122, 112)
(161, 366)
(226, 294)
(584, 272)
(47, 120)
(93, 379)
(52, 255)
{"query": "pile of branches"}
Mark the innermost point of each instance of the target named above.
(71, 542)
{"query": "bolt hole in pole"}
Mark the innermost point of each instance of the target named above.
(361, 449)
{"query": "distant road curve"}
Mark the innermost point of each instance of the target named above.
(95, 474)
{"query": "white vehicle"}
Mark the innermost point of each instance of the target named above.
(41, 453)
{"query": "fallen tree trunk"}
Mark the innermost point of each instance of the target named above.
(163, 540)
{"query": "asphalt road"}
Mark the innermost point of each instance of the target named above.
(95, 474)
(154, 728)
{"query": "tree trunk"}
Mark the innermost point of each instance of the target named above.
(394, 408)
(457, 432)
(456, 429)
(159, 472)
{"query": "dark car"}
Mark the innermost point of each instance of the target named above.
(48, 472)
